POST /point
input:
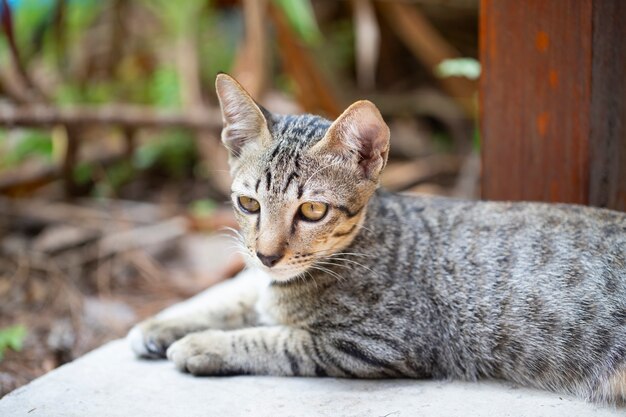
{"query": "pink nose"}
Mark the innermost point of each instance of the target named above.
(269, 260)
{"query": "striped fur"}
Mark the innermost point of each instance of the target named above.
(389, 285)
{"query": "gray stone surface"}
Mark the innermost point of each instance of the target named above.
(111, 382)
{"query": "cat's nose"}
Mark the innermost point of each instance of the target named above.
(269, 260)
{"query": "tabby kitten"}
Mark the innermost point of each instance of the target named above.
(352, 281)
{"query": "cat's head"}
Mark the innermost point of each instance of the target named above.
(300, 183)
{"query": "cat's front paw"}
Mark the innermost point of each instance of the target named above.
(200, 353)
(151, 338)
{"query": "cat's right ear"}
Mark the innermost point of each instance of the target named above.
(361, 136)
(244, 121)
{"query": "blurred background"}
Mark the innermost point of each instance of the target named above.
(113, 181)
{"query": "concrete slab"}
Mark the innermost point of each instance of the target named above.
(111, 382)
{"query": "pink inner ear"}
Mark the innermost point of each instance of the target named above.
(359, 135)
(371, 147)
(365, 141)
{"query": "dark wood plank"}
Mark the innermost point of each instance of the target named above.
(607, 145)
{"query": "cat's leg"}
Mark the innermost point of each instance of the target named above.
(617, 386)
(272, 350)
(228, 305)
(278, 350)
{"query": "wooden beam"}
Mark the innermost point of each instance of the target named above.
(120, 114)
(552, 101)
(607, 143)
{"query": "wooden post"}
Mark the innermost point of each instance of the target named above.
(553, 101)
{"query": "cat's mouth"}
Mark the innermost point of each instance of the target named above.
(285, 273)
(297, 269)
(290, 269)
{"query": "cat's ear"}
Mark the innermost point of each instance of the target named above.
(245, 121)
(361, 135)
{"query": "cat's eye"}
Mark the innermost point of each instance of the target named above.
(249, 205)
(313, 210)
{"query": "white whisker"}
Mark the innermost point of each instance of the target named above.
(358, 264)
(327, 271)
(319, 170)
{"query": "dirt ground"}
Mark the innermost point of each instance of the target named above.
(77, 284)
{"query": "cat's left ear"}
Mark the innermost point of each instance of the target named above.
(244, 120)
(361, 135)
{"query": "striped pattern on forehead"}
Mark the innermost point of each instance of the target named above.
(292, 135)
(304, 128)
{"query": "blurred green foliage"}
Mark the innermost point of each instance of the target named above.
(300, 16)
(12, 338)
(32, 15)
(177, 17)
(83, 173)
(86, 67)
(26, 144)
(94, 52)
(173, 151)
(337, 49)
(218, 45)
(165, 88)
(459, 67)
(143, 63)
(203, 207)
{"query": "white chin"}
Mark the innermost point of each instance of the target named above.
(277, 274)
(284, 275)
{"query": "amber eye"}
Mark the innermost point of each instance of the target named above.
(313, 211)
(249, 205)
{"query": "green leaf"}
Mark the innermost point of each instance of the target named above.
(31, 143)
(165, 88)
(119, 174)
(12, 338)
(176, 16)
(203, 207)
(80, 15)
(218, 43)
(174, 151)
(300, 16)
(83, 173)
(31, 16)
(459, 67)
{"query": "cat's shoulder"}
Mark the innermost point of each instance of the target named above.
(538, 210)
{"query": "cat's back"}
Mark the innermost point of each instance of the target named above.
(522, 290)
(446, 211)
(476, 244)
(473, 243)
(554, 231)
